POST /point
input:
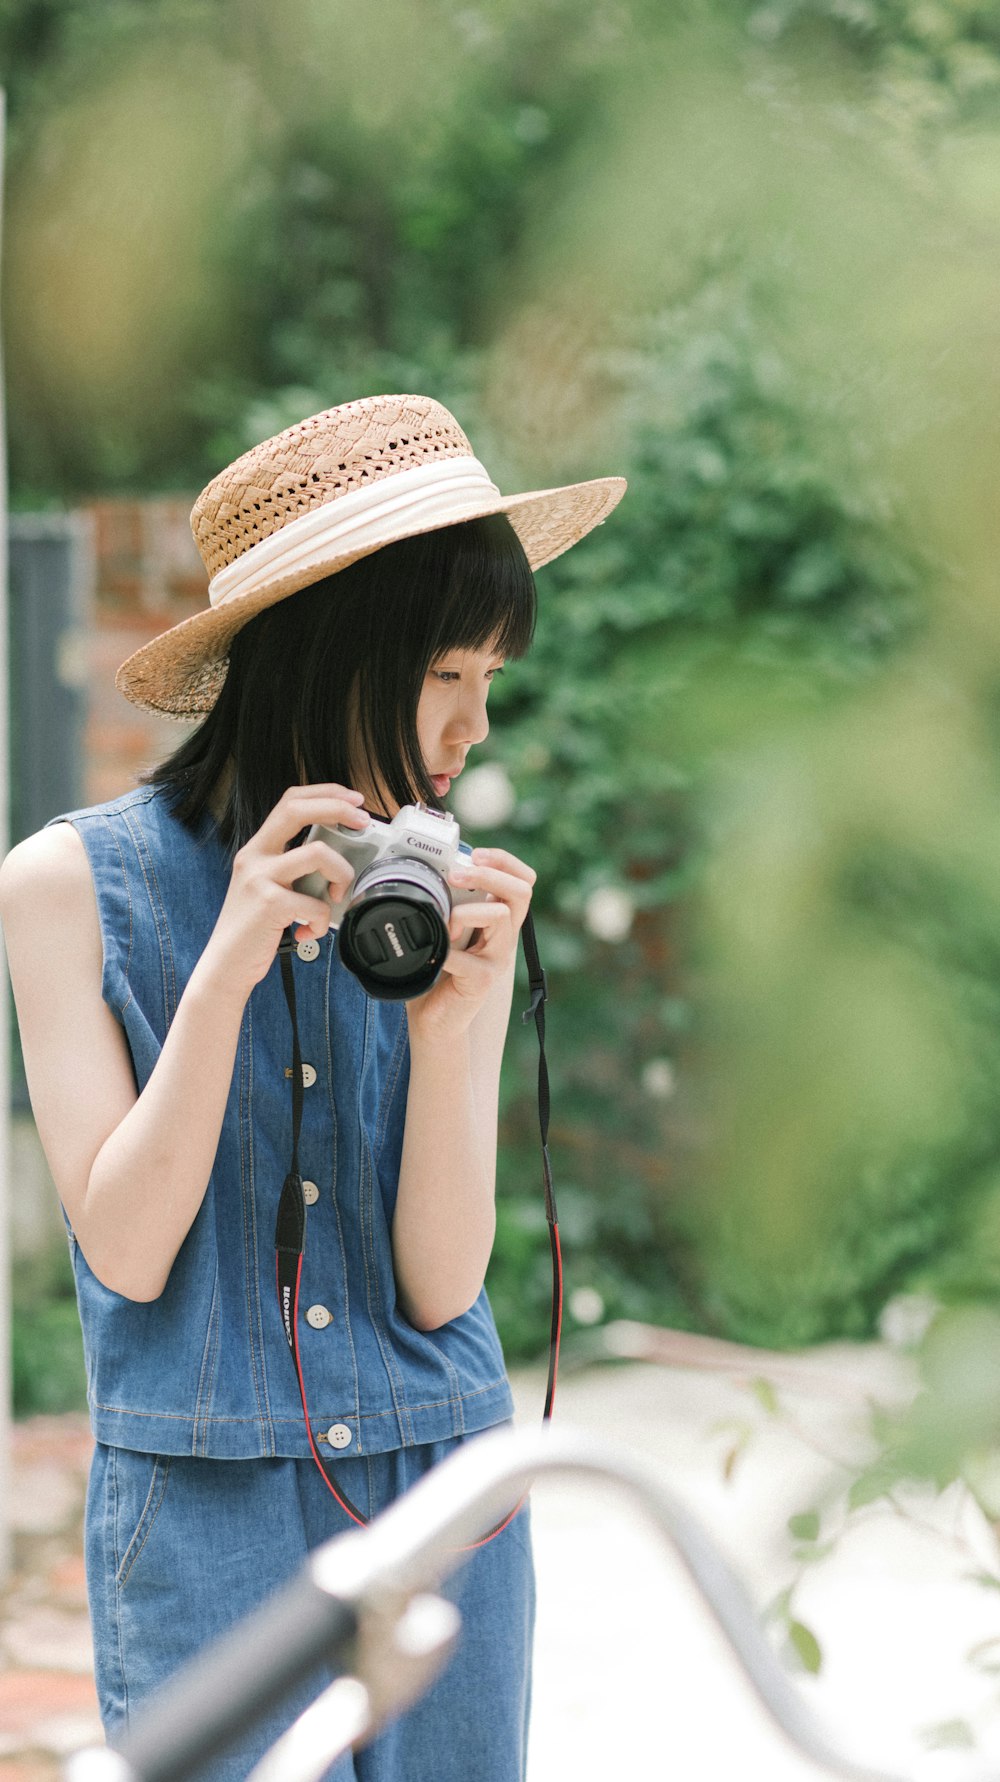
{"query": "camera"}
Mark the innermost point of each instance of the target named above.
(393, 923)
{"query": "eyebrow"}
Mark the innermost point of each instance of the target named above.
(497, 665)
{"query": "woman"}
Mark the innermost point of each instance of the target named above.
(366, 588)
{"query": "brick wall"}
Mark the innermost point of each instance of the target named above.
(148, 575)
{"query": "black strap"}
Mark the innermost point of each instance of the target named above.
(288, 979)
(290, 1228)
(539, 988)
(538, 985)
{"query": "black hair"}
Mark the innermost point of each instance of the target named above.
(368, 634)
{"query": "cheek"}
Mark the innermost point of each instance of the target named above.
(428, 720)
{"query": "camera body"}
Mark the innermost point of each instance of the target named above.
(393, 923)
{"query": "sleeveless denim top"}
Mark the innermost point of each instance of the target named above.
(205, 1368)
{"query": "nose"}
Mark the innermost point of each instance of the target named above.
(469, 724)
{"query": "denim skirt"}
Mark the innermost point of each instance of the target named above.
(179, 1548)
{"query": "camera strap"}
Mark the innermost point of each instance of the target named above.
(290, 1228)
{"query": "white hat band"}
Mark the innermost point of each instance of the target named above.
(435, 493)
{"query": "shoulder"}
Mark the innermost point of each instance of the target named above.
(46, 871)
(48, 902)
(48, 909)
(56, 863)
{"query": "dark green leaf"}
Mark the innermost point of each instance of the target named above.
(805, 1526)
(806, 1646)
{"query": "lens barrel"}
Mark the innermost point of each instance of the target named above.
(394, 933)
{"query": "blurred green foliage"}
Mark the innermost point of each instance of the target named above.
(47, 1364)
(746, 256)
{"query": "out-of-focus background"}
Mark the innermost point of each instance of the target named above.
(746, 256)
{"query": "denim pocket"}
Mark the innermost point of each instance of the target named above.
(140, 1484)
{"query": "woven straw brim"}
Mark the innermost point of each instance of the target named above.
(180, 673)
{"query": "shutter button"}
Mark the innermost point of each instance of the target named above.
(338, 1435)
(308, 949)
(310, 1193)
(319, 1317)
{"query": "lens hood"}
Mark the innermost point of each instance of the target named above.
(394, 934)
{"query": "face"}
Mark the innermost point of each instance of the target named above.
(451, 719)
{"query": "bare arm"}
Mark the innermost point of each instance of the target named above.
(131, 1174)
(445, 1219)
(487, 1038)
(131, 1177)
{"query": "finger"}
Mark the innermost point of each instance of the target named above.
(468, 942)
(480, 915)
(314, 857)
(501, 857)
(505, 885)
(465, 968)
(488, 932)
(302, 806)
(309, 916)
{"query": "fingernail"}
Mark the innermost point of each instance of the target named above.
(460, 875)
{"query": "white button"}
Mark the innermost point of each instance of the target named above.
(310, 1193)
(338, 1435)
(319, 1317)
(308, 949)
(308, 1074)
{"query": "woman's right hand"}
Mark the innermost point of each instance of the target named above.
(261, 901)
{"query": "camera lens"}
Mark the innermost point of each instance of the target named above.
(394, 934)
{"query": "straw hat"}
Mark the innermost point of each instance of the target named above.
(319, 496)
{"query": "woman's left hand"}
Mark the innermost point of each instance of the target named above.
(470, 973)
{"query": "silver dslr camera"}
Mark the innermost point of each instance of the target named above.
(393, 923)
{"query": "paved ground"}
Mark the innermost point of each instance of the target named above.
(47, 1703)
(631, 1678)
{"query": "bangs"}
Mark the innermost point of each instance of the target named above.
(487, 590)
(462, 587)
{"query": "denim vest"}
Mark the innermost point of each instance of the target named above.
(205, 1368)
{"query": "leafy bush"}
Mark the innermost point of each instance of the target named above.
(47, 1348)
(739, 566)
